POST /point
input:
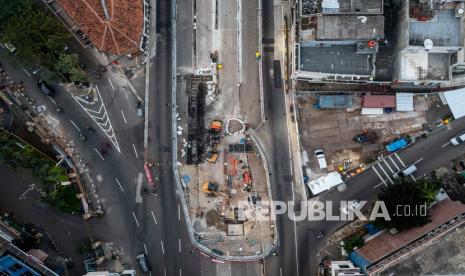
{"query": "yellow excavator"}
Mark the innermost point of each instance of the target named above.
(212, 189)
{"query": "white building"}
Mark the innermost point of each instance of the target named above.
(344, 268)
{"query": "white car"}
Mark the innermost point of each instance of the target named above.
(320, 156)
(458, 139)
(351, 206)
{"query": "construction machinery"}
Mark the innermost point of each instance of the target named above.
(212, 189)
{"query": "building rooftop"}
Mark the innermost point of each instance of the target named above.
(443, 29)
(386, 243)
(115, 29)
(354, 6)
(334, 59)
(350, 27)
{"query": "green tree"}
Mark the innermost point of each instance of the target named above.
(68, 65)
(37, 36)
(10, 9)
(406, 194)
(353, 241)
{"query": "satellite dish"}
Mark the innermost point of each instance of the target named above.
(460, 11)
(428, 44)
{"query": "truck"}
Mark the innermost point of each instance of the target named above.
(325, 182)
(397, 144)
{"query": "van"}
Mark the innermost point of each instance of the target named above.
(320, 156)
(143, 263)
(407, 170)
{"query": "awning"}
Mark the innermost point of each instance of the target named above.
(404, 102)
(456, 101)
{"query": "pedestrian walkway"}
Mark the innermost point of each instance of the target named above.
(387, 168)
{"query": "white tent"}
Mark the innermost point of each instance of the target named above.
(456, 101)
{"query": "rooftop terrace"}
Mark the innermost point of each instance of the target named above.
(350, 27)
(443, 29)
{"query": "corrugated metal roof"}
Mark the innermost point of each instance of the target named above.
(456, 101)
(379, 101)
(404, 102)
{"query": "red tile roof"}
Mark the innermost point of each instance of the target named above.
(386, 243)
(119, 34)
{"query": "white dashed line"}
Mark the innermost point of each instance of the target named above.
(135, 151)
(111, 84)
(179, 213)
(179, 245)
(74, 124)
(124, 117)
(162, 248)
(119, 184)
(385, 173)
(154, 218)
(145, 249)
(135, 219)
(445, 145)
(99, 154)
(27, 73)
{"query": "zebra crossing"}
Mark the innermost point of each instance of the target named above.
(387, 168)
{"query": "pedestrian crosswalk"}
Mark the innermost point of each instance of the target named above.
(387, 168)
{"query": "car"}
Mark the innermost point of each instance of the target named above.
(351, 206)
(140, 109)
(408, 170)
(143, 262)
(320, 156)
(46, 89)
(320, 234)
(457, 140)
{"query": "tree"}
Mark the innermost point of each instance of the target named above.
(37, 36)
(352, 242)
(68, 65)
(413, 196)
(11, 9)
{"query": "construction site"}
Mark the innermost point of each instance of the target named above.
(223, 175)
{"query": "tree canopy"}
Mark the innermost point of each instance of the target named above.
(407, 194)
(40, 40)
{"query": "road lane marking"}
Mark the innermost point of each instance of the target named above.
(124, 117)
(179, 244)
(179, 212)
(139, 186)
(162, 248)
(74, 124)
(376, 186)
(154, 218)
(99, 154)
(418, 161)
(53, 101)
(119, 184)
(281, 271)
(145, 249)
(180, 273)
(111, 84)
(135, 151)
(377, 173)
(25, 71)
(389, 178)
(445, 145)
(400, 160)
(392, 160)
(135, 219)
(295, 229)
(387, 165)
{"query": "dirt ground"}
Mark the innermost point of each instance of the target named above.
(214, 215)
(333, 131)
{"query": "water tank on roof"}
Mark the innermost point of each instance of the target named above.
(428, 44)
